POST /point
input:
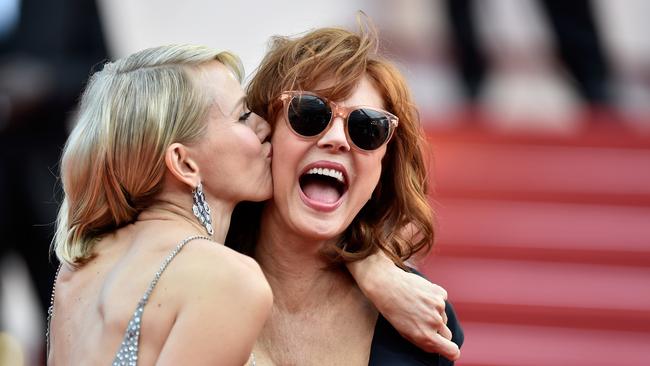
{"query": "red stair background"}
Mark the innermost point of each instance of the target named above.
(544, 245)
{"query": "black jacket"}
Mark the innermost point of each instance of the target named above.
(389, 348)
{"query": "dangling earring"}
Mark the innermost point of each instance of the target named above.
(201, 209)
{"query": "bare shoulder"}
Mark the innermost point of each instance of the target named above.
(222, 295)
(210, 269)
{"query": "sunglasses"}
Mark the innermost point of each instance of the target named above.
(310, 115)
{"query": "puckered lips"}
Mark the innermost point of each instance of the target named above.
(269, 154)
(323, 185)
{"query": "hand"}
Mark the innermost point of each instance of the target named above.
(413, 305)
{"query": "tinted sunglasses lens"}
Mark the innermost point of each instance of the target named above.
(308, 115)
(368, 129)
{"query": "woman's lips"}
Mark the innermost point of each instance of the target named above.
(270, 153)
(318, 196)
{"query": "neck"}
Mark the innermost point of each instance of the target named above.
(169, 209)
(296, 270)
(316, 308)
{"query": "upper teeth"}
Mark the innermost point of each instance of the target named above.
(328, 172)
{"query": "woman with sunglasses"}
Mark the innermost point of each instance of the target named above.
(349, 181)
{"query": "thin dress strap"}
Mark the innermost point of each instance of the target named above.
(127, 354)
(50, 313)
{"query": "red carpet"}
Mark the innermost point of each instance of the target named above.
(544, 245)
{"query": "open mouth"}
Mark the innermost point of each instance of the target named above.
(323, 185)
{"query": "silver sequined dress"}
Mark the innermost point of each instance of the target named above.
(127, 354)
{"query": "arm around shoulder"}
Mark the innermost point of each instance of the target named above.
(223, 312)
(412, 304)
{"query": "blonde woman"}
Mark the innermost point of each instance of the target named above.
(163, 149)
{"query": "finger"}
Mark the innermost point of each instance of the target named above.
(440, 305)
(437, 320)
(437, 291)
(443, 292)
(444, 347)
(445, 332)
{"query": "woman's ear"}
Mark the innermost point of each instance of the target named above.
(181, 165)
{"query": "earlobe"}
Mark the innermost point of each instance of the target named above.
(181, 165)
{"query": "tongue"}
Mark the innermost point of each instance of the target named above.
(321, 191)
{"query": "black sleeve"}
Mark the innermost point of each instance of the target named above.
(389, 348)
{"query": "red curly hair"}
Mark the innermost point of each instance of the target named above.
(398, 218)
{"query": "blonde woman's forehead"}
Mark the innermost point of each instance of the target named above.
(227, 93)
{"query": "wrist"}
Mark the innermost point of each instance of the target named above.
(372, 273)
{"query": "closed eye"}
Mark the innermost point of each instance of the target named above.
(244, 116)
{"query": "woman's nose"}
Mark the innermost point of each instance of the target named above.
(335, 138)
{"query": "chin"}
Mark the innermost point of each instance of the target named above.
(264, 191)
(322, 230)
(263, 196)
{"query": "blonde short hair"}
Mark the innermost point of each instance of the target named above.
(113, 164)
